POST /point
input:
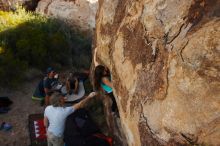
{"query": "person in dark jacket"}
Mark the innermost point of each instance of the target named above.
(45, 86)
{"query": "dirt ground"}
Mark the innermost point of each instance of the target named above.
(21, 108)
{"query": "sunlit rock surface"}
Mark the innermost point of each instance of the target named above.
(80, 13)
(164, 56)
(8, 5)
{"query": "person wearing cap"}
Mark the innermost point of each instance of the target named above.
(46, 86)
(55, 116)
(48, 83)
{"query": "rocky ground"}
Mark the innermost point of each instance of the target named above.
(21, 108)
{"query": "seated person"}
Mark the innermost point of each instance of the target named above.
(74, 87)
(45, 86)
(72, 84)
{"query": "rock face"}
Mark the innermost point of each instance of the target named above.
(164, 56)
(80, 13)
(7, 5)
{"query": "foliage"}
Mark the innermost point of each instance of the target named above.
(30, 40)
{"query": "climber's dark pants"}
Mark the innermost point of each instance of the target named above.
(114, 104)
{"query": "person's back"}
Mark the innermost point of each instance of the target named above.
(54, 119)
(57, 117)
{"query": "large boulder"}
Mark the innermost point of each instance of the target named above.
(8, 5)
(164, 57)
(79, 13)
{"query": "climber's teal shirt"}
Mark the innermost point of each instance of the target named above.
(106, 88)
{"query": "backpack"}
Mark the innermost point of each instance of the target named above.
(5, 101)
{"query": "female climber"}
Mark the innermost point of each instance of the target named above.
(103, 82)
